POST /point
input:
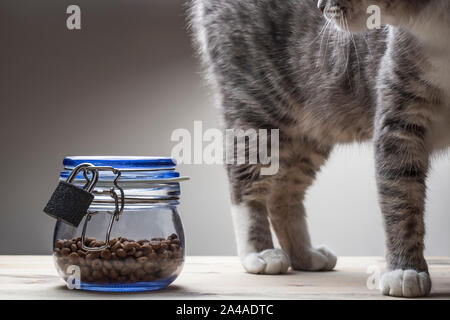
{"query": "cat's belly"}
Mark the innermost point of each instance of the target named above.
(330, 125)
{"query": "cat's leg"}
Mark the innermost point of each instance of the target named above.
(402, 161)
(298, 167)
(251, 225)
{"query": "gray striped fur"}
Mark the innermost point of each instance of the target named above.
(322, 81)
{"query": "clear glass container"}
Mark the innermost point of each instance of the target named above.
(146, 245)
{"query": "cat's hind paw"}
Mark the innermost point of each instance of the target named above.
(270, 261)
(405, 283)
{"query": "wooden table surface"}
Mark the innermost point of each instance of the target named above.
(35, 277)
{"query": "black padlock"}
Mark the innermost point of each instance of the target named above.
(70, 203)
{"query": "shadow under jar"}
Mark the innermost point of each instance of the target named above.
(144, 250)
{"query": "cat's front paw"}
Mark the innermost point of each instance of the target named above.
(318, 259)
(405, 283)
(270, 261)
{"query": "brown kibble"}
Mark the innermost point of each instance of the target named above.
(147, 248)
(126, 261)
(92, 255)
(125, 270)
(131, 263)
(85, 271)
(132, 278)
(113, 274)
(89, 278)
(106, 254)
(62, 261)
(73, 258)
(107, 264)
(139, 254)
(172, 236)
(88, 240)
(65, 252)
(112, 242)
(97, 244)
(128, 246)
(164, 254)
(97, 264)
(164, 245)
(140, 273)
(117, 264)
(67, 243)
(121, 253)
(155, 244)
(59, 244)
(142, 259)
(149, 267)
(116, 246)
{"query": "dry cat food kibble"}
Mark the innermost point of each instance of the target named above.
(125, 261)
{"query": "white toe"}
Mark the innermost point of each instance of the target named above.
(318, 259)
(331, 258)
(405, 283)
(270, 261)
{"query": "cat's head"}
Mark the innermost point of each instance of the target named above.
(360, 15)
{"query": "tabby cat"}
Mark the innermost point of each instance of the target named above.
(316, 72)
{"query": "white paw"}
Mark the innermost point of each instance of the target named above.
(330, 261)
(405, 283)
(270, 261)
(319, 259)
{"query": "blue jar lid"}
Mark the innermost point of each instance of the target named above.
(146, 168)
(122, 162)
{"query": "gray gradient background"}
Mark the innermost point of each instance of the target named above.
(120, 86)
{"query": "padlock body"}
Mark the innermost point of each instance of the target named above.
(69, 203)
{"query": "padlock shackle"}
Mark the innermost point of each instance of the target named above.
(90, 184)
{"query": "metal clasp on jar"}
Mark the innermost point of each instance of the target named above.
(119, 203)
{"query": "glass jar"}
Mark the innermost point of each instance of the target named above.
(132, 238)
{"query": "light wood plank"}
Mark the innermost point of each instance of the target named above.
(35, 277)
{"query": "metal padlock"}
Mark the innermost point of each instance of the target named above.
(70, 203)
